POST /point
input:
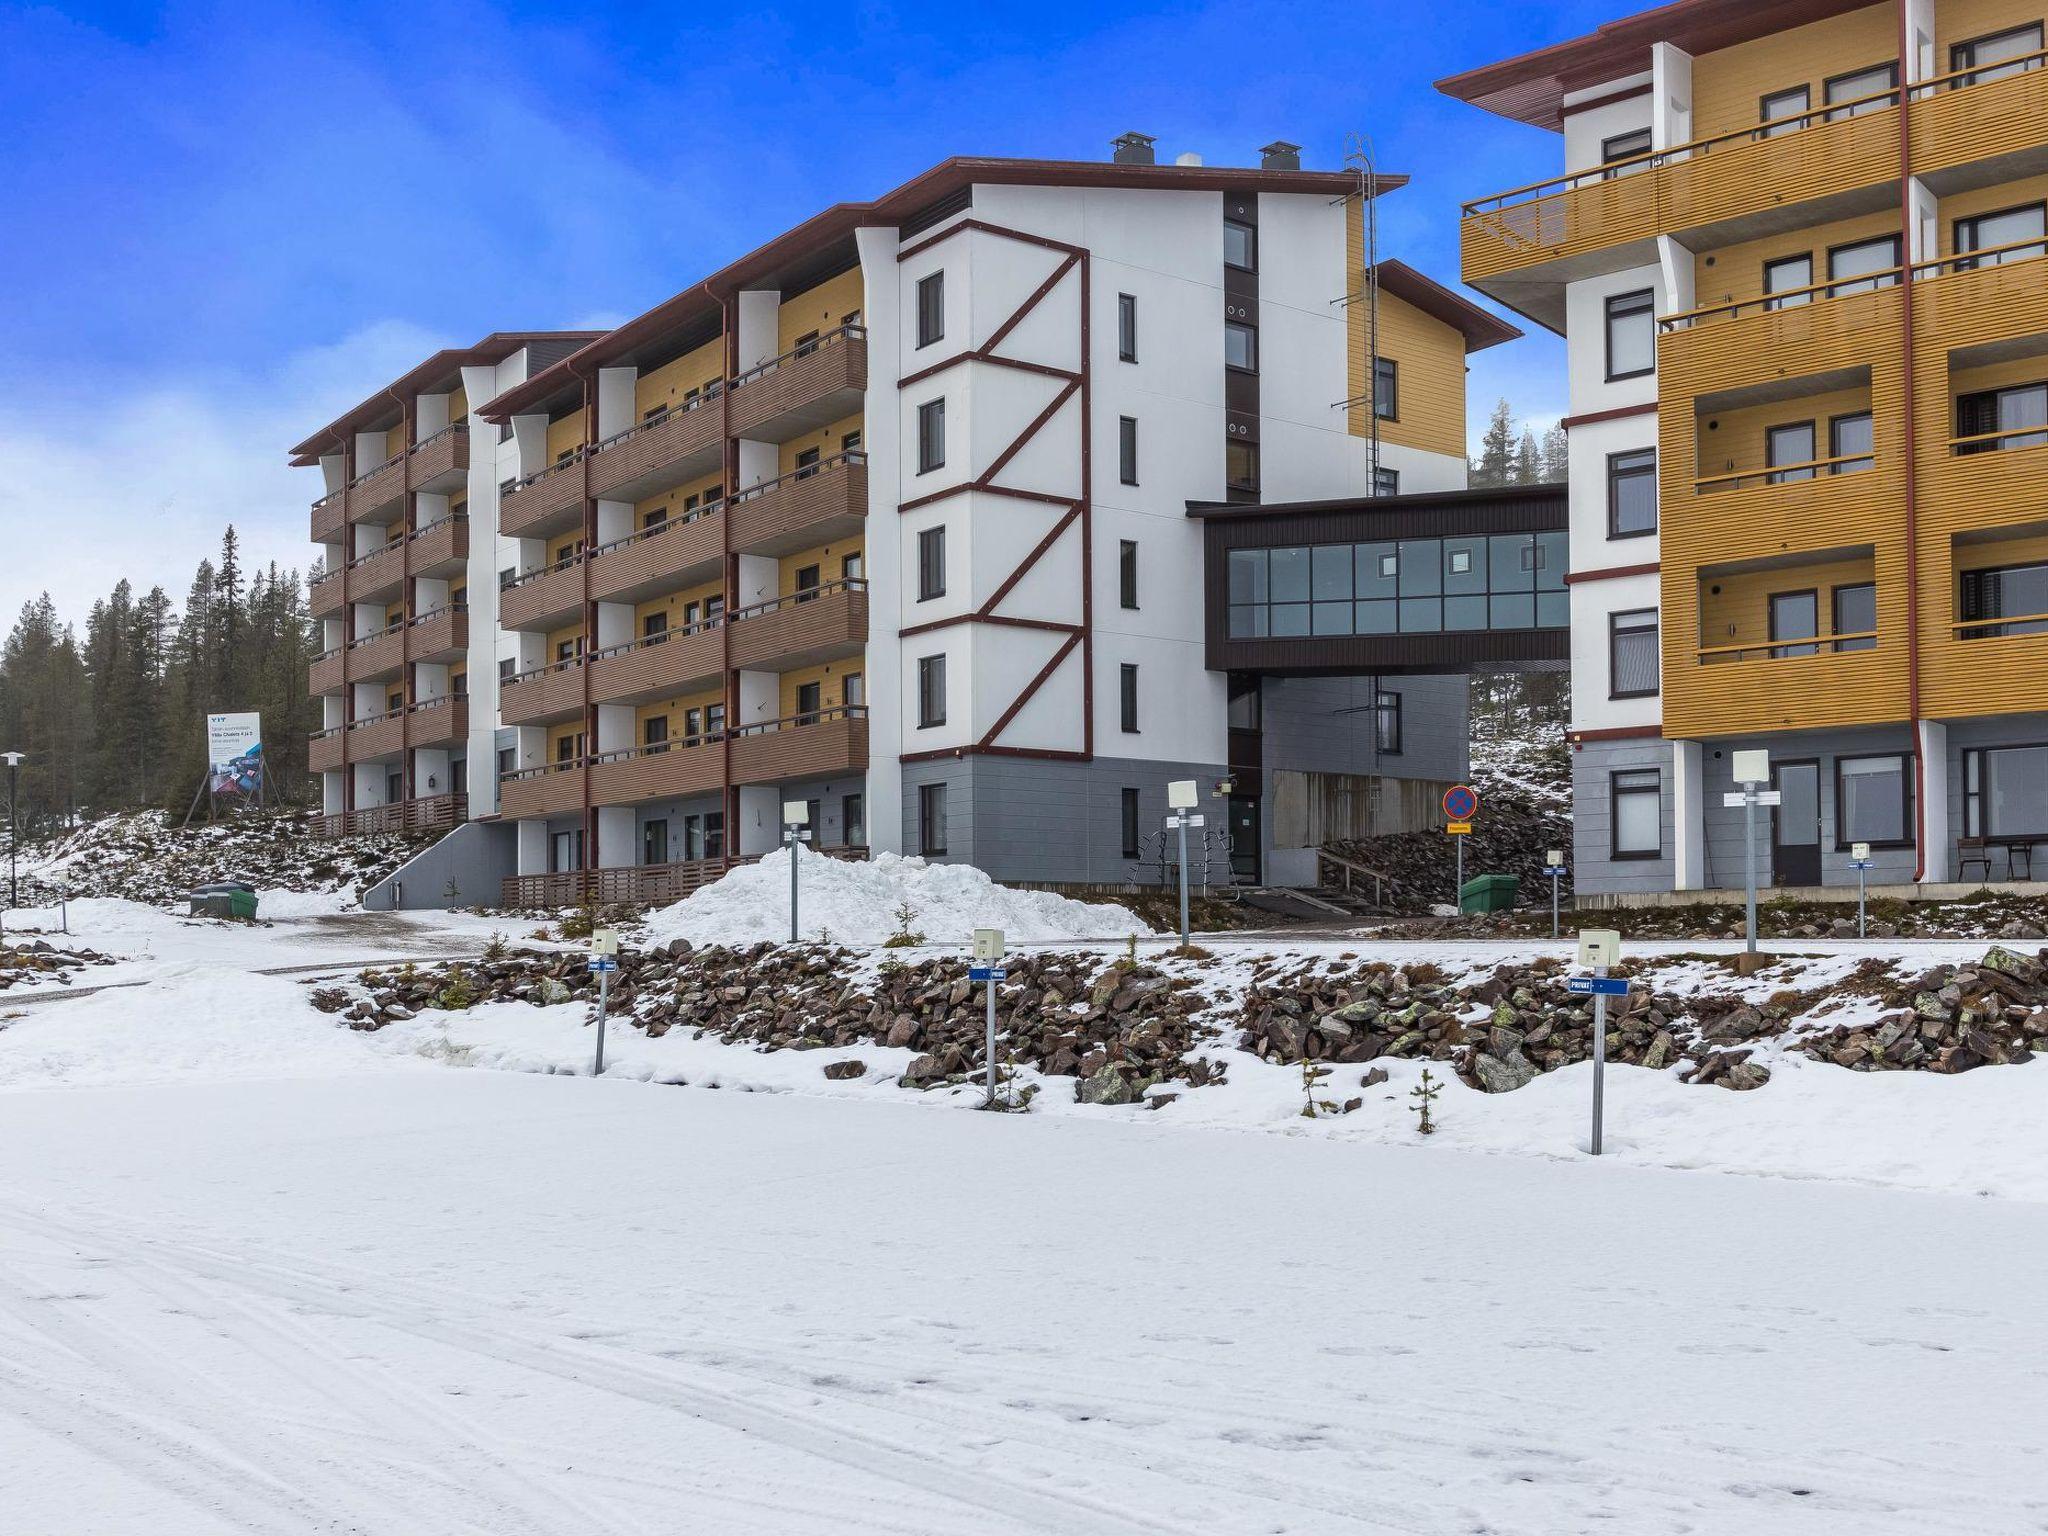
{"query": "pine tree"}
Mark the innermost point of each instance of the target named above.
(1556, 456)
(1528, 460)
(1496, 462)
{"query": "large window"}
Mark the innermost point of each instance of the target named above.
(1127, 327)
(1386, 722)
(1790, 444)
(1632, 662)
(1127, 573)
(1855, 613)
(1862, 91)
(1874, 800)
(1127, 696)
(1996, 56)
(1863, 265)
(1240, 246)
(1631, 334)
(1632, 493)
(1850, 441)
(931, 563)
(1386, 389)
(1636, 798)
(931, 435)
(1127, 449)
(931, 308)
(1794, 616)
(2003, 591)
(1128, 807)
(2013, 234)
(1998, 418)
(931, 820)
(1407, 586)
(2005, 791)
(931, 691)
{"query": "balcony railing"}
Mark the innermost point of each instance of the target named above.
(672, 662)
(545, 790)
(324, 750)
(805, 507)
(1786, 474)
(439, 462)
(815, 744)
(539, 599)
(542, 694)
(2004, 626)
(323, 595)
(1981, 74)
(410, 818)
(376, 654)
(658, 771)
(1781, 650)
(806, 387)
(374, 738)
(440, 722)
(1790, 298)
(330, 516)
(538, 503)
(439, 545)
(675, 549)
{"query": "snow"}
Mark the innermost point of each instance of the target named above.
(857, 903)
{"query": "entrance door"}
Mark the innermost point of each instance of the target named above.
(1244, 840)
(1795, 824)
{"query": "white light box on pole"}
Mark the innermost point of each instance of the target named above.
(1183, 794)
(1752, 765)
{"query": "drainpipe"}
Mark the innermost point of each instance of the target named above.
(1912, 464)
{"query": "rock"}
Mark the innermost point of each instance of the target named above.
(1105, 1086)
(923, 1070)
(840, 1071)
(1373, 1078)
(1498, 1074)
(551, 991)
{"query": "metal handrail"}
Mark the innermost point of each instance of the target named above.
(381, 549)
(2024, 63)
(657, 748)
(1986, 439)
(376, 634)
(1686, 318)
(331, 496)
(851, 331)
(426, 528)
(808, 595)
(1970, 261)
(521, 482)
(389, 714)
(377, 468)
(808, 471)
(1819, 643)
(444, 701)
(566, 664)
(2004, 618)
(435, 613)
(677, 632)
(791, 722)
(695, 514)
(566, 563)
(663, 416)
(541, 770)
(434, 437)
(1869, 460)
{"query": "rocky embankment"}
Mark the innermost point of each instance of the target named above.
(31, 962)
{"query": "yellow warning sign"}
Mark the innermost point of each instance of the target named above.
(1458, 828)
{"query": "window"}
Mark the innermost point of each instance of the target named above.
(1625, 146)
(2005, 791)
(1240, 346)
(931, 308)
(1386, 723)
(654, 625)
(931, 691)
(809, 698)
(807, 577)
(1851, 439)
(853, 567)
(1127, 449)
(714, 834)
(1790, 444)
(1632, 493)
(1240, 246)
(1409, 586)
(1865, 91)
(806, 344)
(654, 731)
(1987, 57)
(1995, 418)
(1874, 800)
(1637, 801)
(1631, 334)
(508, 668)
(1127, 573)
(853, 820)
(1127, 695)
(931, 820)
(1127, 327)
(931, 563)
(1865, 265)
(1998, 591)
(1791, 276)
(508, 761)
(931, 435)
(1128, 805)
(2014, 234)
(1854, 611)
(1241, 465)
(853, 690)
(1775, 108)
(565, 852)
(654, 841)
(1386, 482)
(1794, 616)
(849, 442)
(1632, 654)
(807, 464)
(714, 721)
(1386, 389)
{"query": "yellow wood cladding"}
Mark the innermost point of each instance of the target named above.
(827, 441)
(831, 681)
(1733, 442)
(1429, 368)
(825, 307)
(1958, 21)
(566, 549)
(683, 608)
(1736, 609)
(695, 371)
(571, 732)
(394, 442)
(569, 635)
(565, 433)
(830, 559)
(2031, 369)
(1735, 273)
(458, 404)
(1992, 199)
(676, 713)
(1728, 86)
(678, 500)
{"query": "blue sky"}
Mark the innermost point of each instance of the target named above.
(228, 223)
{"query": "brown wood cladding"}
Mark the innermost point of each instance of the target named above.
(673, 552)
(680, 664)
(542, 601)
(374, 740)
(330, 516)
(541, 794)
(441, 636)
(533, 504)
(439, 724)
(799, 382)
(379, 575)
(325, 675)
(379, 495)
(444, 545)
(324, 752)
(793, 509)
(374, 659)
(682, 436)
(438, 463)
(323, 597)
(826, 623)
(801, 752)
(667, 775)
(541, 696)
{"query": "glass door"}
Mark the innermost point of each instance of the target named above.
(1795, 823)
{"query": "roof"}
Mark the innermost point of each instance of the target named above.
(836, 225)
(1472, 496)
(447, 364)
(1480, 328)
(1531, 87)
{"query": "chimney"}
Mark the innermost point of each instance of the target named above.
(1132, 149)
(1280, 156)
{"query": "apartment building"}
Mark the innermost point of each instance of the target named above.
(1796, 251)
(888, 518)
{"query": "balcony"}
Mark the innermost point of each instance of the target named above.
(441, 549)
(376, 738)
(640, 884)
(823, 624)
(1986, 645)
(329, 517)
(441, 463)
(1974, 116)
(812, 506)
(324, 750)
(1800, 333)
(1992, 294)
(442, 722)
(664, 450)
(544, 599)
(671, 554)
(804, 389)
(326, 674)
(544, 695)
(548, 790)
(663, 666)
(441, 636)
(378, 495)
(408, 818)
(323, 596)
(377, 656)
(666, 771)
(828, 743)
(542, 504)
(379, 576)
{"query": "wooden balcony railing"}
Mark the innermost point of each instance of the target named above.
(805, 387)
(546, 790)
(542, 500)
(1782, 650)
(407, 818)
(813, 625)
(325, 750)
(440, 462)
(1786, 474)
(323, 595)
(545, 693)
(326, 674)
(2005, 626)
(330, 516)
(440, 547)
(676, 549)
(1790, 298)
(658, 451)
(802, 509)
(664, 665)
(442, 722)
(818, 744)
(659, 771)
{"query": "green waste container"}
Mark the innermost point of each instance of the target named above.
(224, 898)
(1488, 893)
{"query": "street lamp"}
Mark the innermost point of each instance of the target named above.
(794, 814)
(1182, 796)
(13, 827)
(1752, 771)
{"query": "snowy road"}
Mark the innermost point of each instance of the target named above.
(428, 1302)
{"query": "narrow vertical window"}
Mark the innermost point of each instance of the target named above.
(931, 820)
(1386, 389)
(1240, 346)
(1129, 808)
(1631, 334)
(1127, 690)
(931, 691)
(931, 435)
(931, 308)
(1127, 449)
(1127, 572)
(931, 563)
(1386, 715)
(1127, 327)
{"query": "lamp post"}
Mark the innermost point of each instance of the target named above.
(1555, 869)
(1752, 772)
(1182, 796)
(795, 813)
(13, 827)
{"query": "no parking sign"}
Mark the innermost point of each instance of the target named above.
(1461, 802)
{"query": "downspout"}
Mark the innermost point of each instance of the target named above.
(1912, 464)
(729, 459)
(408, 688)
(589, 528)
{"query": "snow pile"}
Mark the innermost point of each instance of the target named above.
(859, 903)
